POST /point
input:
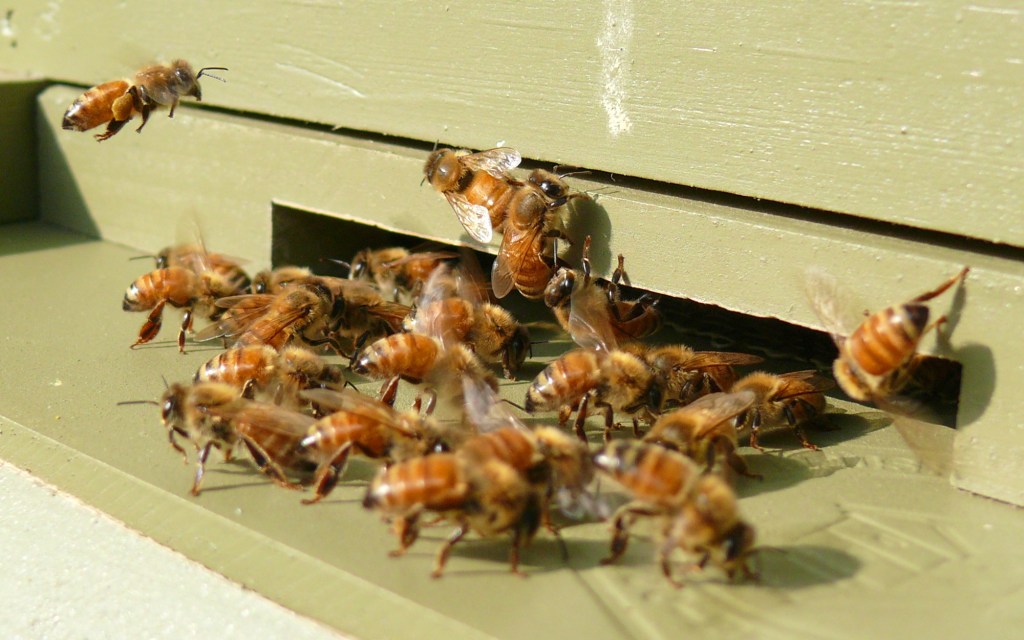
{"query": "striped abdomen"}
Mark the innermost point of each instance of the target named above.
(410, 355)
(650, 472)
(886, 339)
(369, 438)
(434, 482)
(239, 365)
(175, 285)
(564, 381)
(511, 445)
(95, 106)
(482, 188)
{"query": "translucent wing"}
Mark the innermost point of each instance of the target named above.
(589, 318)
(484, 408)
(800, 383)
(715, 408)
(351, 401)
(502, 276)
(475, 218)
(497, 162)
(242, 312)
(829, 302)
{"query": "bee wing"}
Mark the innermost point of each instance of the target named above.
(251, 415)
(590, 319)
(931, 443)
(351, 401)
(716, 408)
(475, 218)
(800, 383)
(470, 280)
(242, 311)
(484, 408)
(497, 162)
(419, 257)
(502, 274)
(831, 303)
(704, 359)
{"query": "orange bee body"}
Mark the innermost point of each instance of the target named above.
(476, 185)
(790, 399)
(260, 367)
(411, 356)
(115, 103)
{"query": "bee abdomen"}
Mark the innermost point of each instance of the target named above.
(94, 107)
(563, 382)
(239, 365)
(409, 355)
(173, 284)
(888, 338)
(433, 481)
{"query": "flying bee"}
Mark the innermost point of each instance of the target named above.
(699, 511)
(196, 293)
(526, 261)
(704, 431)
(877, 359)
(579, 302)
(301, 311)
(454, 308)
(487, 497)
(791, 399)
(397, 271)
(477, 186)
(116, 102)
(259, 367)
(364, 426)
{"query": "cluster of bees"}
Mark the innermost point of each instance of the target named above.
(432, 319)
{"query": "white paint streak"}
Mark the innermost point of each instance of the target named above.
(999, 11)
(319, 76)
(613, 47)
(48, 27)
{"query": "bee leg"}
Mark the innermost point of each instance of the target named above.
(328, 474)
(186, 326)
(142, 104)
(619, 275)
(407, 530)
(389, 391)
(636, 428)
(609, 423)
(513, 554)
(798, 429)
(755, 427)
(112, 127)
(928, 295)
(267, 465)
(664, 553)
(174, 105)
(735, 460)
(152, 325)
(431, 401)
(624, 517)
(581, 416)
(442, 555)
(177, 447)
(204, 453)
(563, 415)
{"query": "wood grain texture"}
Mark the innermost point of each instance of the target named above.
(228, 171)
(906, 112)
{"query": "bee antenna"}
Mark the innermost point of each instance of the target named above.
(210, 75)
(141, 257)
(343, 263)
(558, 170)
(514, 405)
(166, 384)
(152, 402)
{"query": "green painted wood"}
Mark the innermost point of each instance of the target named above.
(898, 111)
(18, 176)
(720, 252)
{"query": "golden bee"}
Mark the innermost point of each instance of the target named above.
(397, 272)
(261, 368)
(196, 293)
(687, 374)
(116, 102)
(454, 309)
(704, 430)
(526, 260)
(699, 511)
(195, 257)
(577, 301)
(477, 186)
(877, 359)
(272, 281)
(490, 498)
(363, 426)
(299, 311)
(792, 400)
(210, 415)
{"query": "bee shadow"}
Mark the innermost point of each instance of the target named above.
(802, 566)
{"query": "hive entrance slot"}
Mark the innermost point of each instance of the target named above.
(307, 238)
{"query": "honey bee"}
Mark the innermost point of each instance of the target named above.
(259, 367)
(687, 374)
(454, 308)
(525, 259)
(487, 497)
(791, 399)
(477, 186)
(195, 257)
(116, 102)
(579, 302)
(877, 359)
(302, 310)
(704, 430)
(614, 381)
(364, 426)
(211, 415)
(196, 293)
(397, 271)
(699, 511)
